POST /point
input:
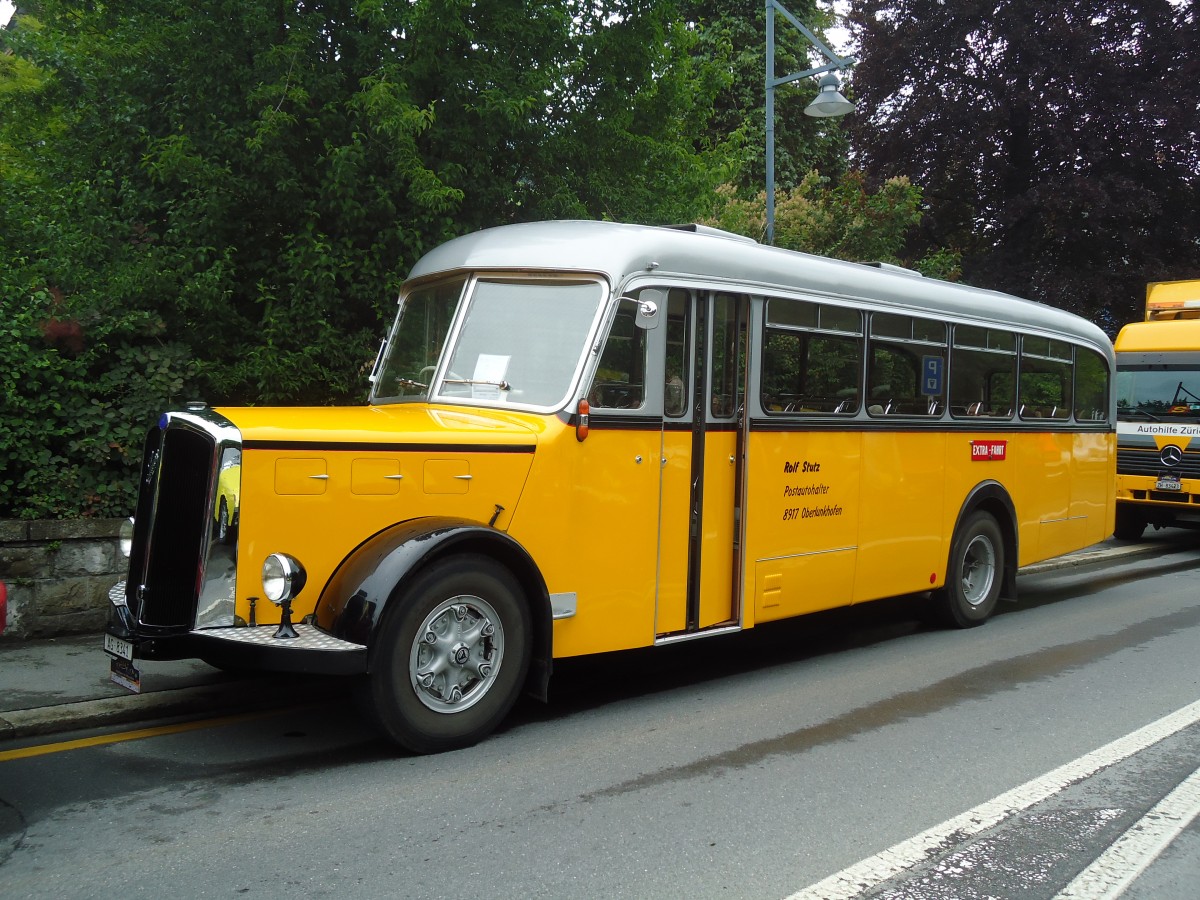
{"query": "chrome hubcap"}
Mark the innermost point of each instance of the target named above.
(979, 570)
(456, 654)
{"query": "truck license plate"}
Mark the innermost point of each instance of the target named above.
(1168, 483)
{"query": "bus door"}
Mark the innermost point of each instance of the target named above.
(703, 444)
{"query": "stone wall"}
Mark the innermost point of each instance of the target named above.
(58, 575)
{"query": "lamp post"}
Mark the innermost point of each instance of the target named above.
(828, 102)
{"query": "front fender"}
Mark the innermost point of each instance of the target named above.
(357, 596)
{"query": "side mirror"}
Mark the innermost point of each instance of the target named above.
(648, 304)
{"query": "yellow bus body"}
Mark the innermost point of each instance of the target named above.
(589, 437)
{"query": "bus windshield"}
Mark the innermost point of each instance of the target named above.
(1158, 392)
(518, 342)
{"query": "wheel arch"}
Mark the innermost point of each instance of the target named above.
(372, 579)
(993, 498)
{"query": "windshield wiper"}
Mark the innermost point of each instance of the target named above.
(503, 385)
(1138, 411)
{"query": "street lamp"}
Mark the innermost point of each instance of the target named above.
(828, 102)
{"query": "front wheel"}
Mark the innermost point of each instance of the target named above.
(975, 573)
(1129, 525)
(453, 656)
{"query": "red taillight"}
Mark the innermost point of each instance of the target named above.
(581, 423)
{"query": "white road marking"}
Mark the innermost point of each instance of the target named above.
(872, 872)
(1120, 865)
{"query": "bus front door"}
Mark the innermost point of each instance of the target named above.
(699, 532)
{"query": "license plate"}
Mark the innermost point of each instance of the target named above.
(1168, 483)
(126, 674)
(115, 646)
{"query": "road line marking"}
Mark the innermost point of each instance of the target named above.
(870, 873)
(102, 739)
(1120, 865)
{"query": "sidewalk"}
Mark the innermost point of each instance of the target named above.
(62, 684)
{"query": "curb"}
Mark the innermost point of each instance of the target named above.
(233, 697)
(1086, 557)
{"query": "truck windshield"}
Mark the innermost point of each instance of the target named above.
(1158, 392)
(519, 343)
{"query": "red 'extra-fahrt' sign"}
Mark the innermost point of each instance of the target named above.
(982, 451)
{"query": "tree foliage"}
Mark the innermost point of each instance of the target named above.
(843, 220)
(1056, 142)
(220, 200)
(733, 34)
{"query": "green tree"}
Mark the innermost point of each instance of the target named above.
(221, 200)
(733, 34)
(1056, 142)
(843, 220)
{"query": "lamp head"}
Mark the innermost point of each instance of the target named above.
(829, 101)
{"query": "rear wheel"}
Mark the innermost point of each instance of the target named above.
(453, 656)
(975, 573)
(1130, 524)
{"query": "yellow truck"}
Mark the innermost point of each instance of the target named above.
(1158, 412)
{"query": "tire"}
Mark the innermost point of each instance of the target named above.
(452, 657)
(974, 574)
(1129, 526)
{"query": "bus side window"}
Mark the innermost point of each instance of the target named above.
(1091, 386)
(983, 372)
(812, 358)
(620, 381)
(908, 366)
(1046, 378)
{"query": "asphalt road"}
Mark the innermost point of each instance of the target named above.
(857, 751)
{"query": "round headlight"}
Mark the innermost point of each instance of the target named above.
(125, 537)
(282, 577)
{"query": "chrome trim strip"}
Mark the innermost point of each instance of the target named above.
(711, 632)
(809, 553)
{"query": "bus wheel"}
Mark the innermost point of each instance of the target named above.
(1129, 525)
(453, 656)
(974, 576)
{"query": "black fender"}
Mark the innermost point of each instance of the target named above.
(373, 577)
(992, 497)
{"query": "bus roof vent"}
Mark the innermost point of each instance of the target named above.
(898, 270)
(714, 232)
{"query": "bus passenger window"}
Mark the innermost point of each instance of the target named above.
(620, 381)
(812, 359)
(1091, 386)
(983, 372)
(1046, 378)
(908, 366)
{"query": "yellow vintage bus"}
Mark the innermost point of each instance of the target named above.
(1158, 412)
(584, 437)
